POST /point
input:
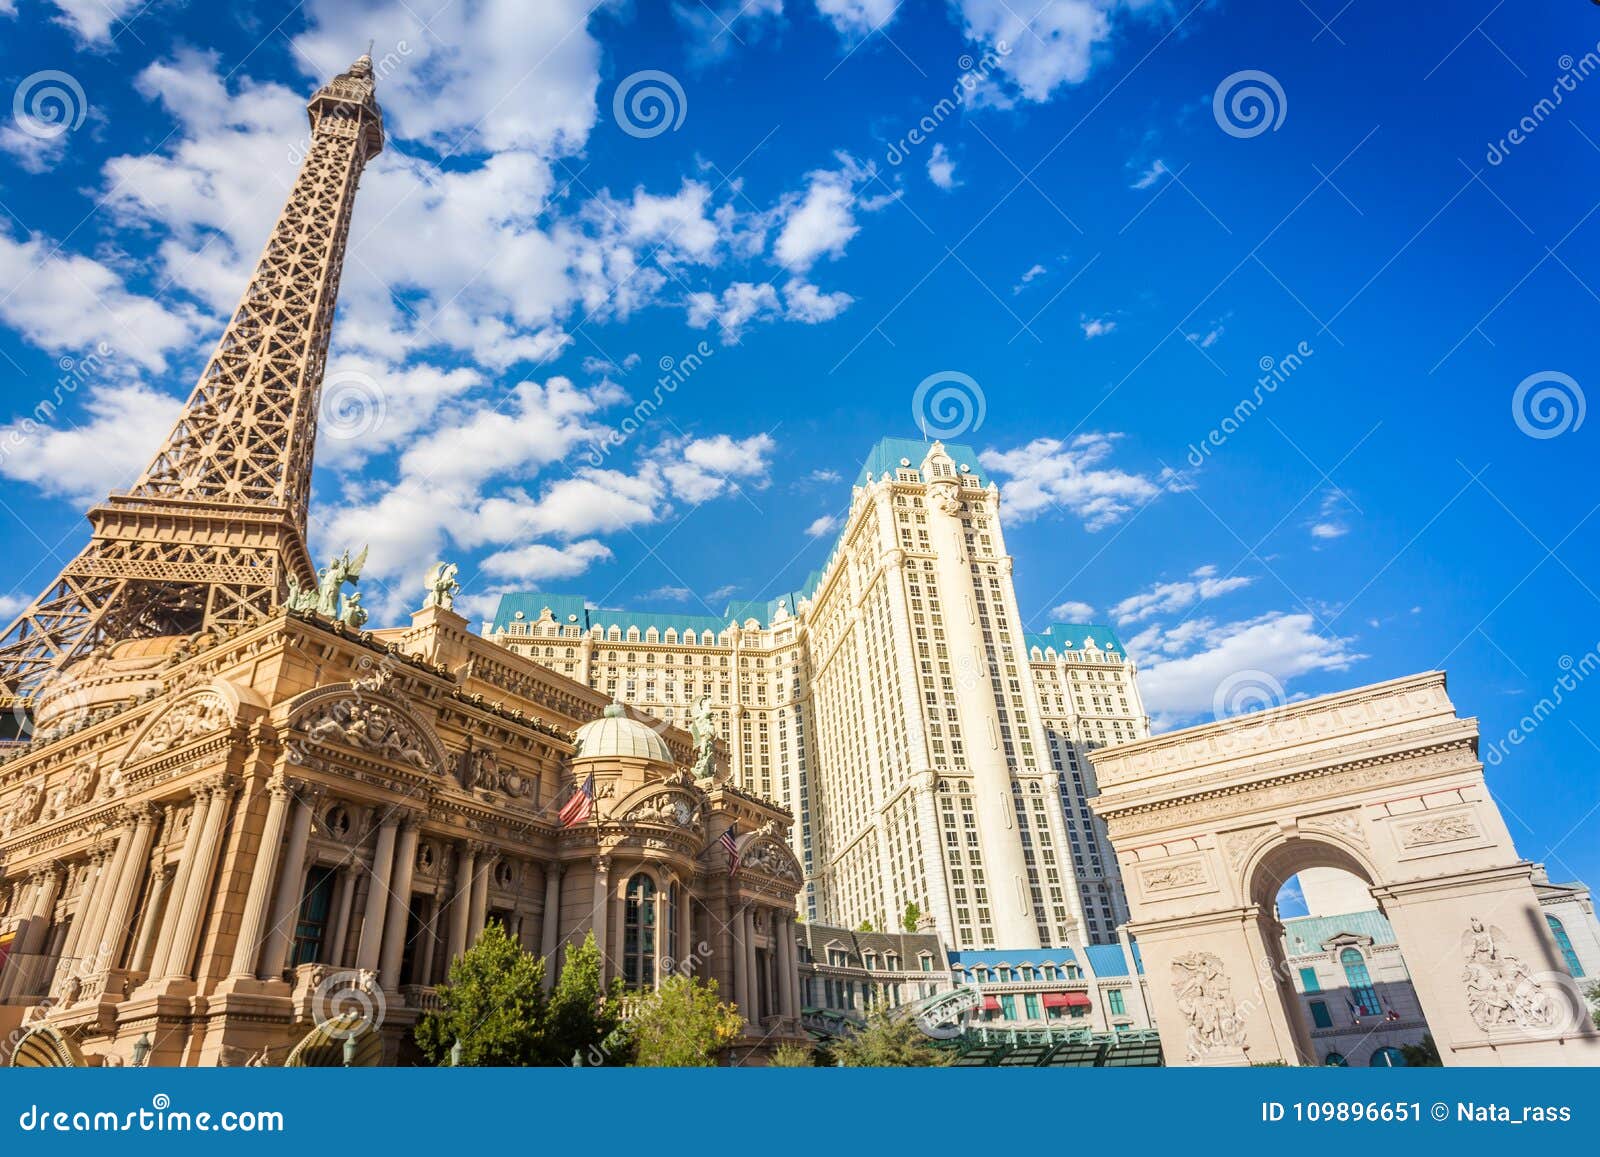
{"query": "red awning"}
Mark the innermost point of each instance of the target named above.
(991, 1004)
(1066, 1000)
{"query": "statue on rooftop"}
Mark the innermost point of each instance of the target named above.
(332, 579)
(442, 586)
(703, 730)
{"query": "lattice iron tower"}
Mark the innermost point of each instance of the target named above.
(210, 532)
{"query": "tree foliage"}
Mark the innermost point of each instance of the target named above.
(494, 1004)
(792, 1056)
(683, 1025)
(887, 1041)
(912, 916)
(1424, 1054)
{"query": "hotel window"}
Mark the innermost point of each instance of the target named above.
(1115, 1001)
(1360, 982)
(639, 933)
(1320, 1017)
(312, 926)
(1564, 942)
(1030, 1005)
(1008, 1007)
(1308, 980)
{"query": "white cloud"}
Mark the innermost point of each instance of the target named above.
(740, 304)
(65, 303)
(124, 426)
(1207, 339)
(1165, 598)
(1329, 522)
(857, 18)
(1072, 611)
(1094, 327)
(1049, 472)
(94, 20)
(827, 524)
(33, 152)
(1034, 271)
(941, 169)
(821, 222)
(1181, 673)
(1150, 176)
(539, 561)
(1048, 46)
(669, 594)
(700, 469)
(804, 302)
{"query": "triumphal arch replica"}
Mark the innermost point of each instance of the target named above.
(1382, 782)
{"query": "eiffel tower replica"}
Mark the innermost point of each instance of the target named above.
(212, 530)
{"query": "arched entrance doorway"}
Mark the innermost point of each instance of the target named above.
(1382, 783)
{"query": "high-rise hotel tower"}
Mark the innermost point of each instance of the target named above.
(933, 752)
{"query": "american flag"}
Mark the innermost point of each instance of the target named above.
(1390, 1014)
(1356, 1011)
(731, 848)
(581, 806)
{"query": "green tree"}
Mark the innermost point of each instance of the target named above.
(792, 1056)
(584, 1020)
(887, 1041)
(683, 1025)
(913, 916)
(493, 1003)
(1422, 1055)
(866, 926)
(1592, 995)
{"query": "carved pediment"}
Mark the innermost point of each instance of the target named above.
(766, 853)
(677, 809)
(196, 714)
(347, 716)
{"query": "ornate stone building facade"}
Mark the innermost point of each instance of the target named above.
(235, 820)
(933, 753)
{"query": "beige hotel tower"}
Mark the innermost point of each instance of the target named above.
(934, 754)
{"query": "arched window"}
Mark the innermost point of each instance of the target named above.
(1362, 997)
(1564, 942)
(1336, 1061)
(639, 934)
(1388, 1058)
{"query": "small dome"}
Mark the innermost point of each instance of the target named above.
(614, 734)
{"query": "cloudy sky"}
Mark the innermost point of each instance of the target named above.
(1273, 321)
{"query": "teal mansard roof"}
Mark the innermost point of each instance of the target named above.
(1307, 934)
(576, 611)
(886, 457)
(1104, 960)
(1062, 637)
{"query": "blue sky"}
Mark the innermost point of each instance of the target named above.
(1107, 257)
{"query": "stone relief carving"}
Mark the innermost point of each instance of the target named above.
(703, 730)
(1501, 992)
(205, 713)
(24, 809)
(1236, 845)
(1346, 824)
(671, 810)
(771, 859)
(369, 727)
(1439, 830)
(1174, 876)
(1205, 998)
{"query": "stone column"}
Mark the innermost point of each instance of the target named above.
(341, 925)
(291, 883)
(180, 881)
(743, 953)
(399, 918)
(114, 932)
(788, 984)
(686, 960)
(155, 911)
(186, 935)
(466, 865)
(664, 948)
(83, 910)
(479, 913)
(377, 895)
(549, 938)
(253, 923)
(619, 911)
(47, 886)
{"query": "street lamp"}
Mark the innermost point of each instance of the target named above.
(141, 1051)
(455, 1054)
(349, 1051)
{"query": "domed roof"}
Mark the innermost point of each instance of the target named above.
(614, 734)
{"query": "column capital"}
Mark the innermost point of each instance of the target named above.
(144, 814)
